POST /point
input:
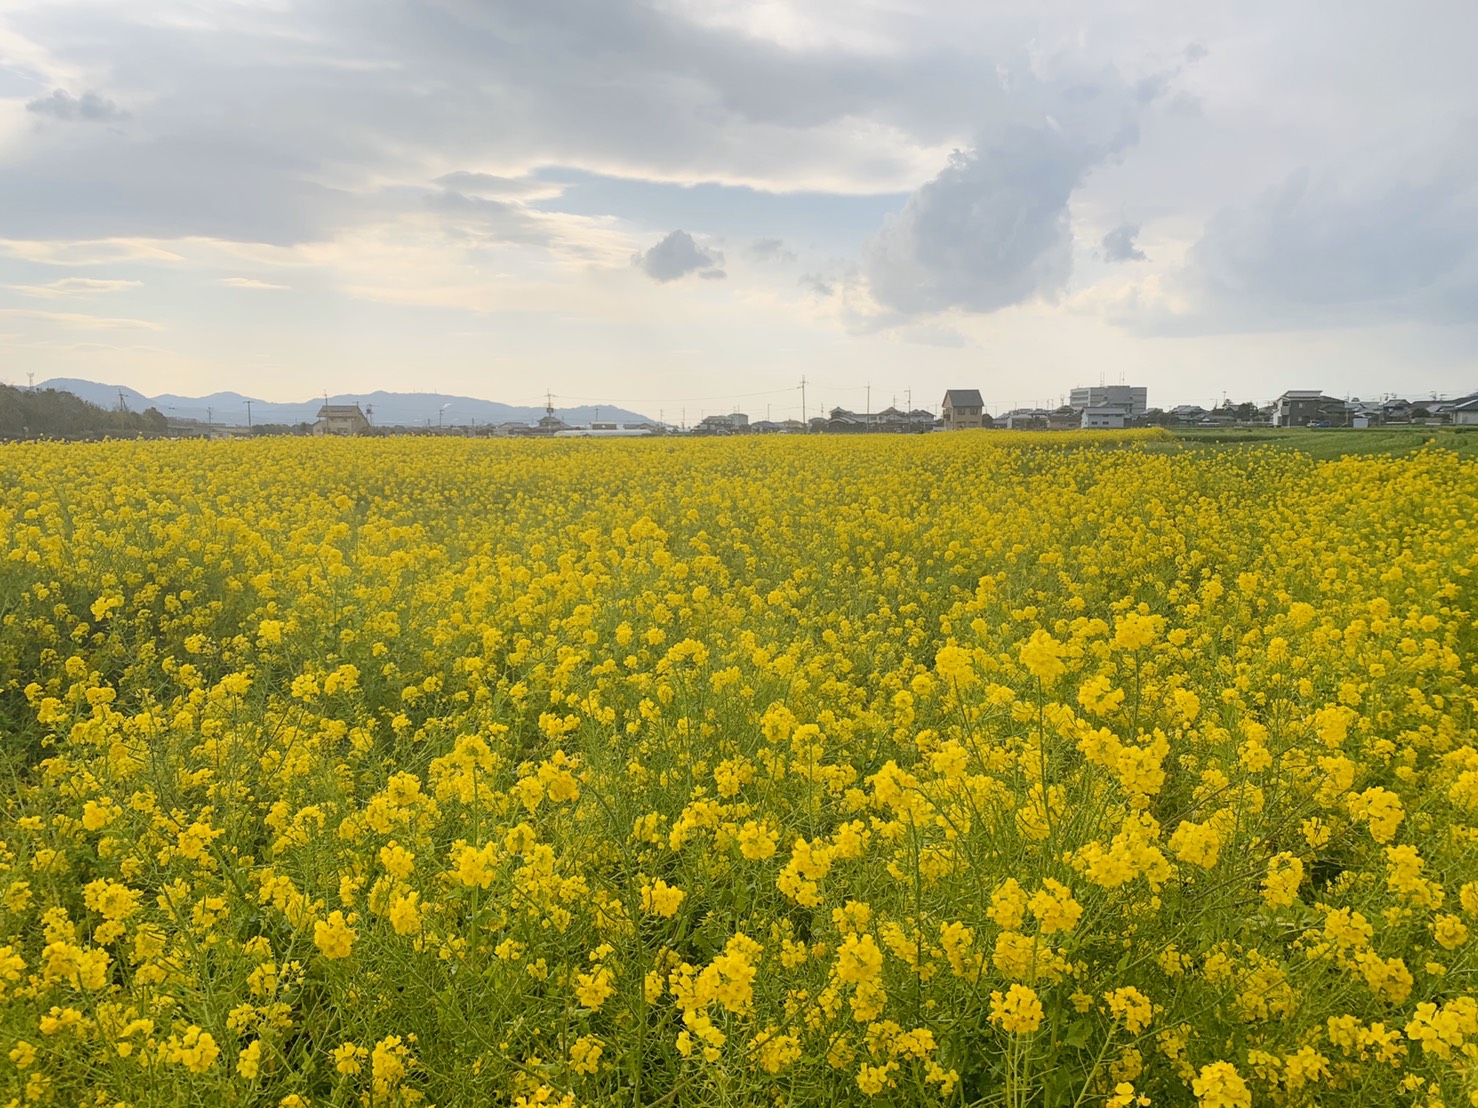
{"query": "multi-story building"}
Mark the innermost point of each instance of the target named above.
(1133, 400)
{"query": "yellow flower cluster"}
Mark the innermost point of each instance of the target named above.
(1086, 769)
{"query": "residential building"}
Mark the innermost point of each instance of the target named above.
(1465, 413)
(1133, 400)
(963, 409)
(890, 421)
(1025, 419)
(727, 423)
(1102, 417)
(1301, 407)
(1064, 418)
(1450, 410)
(341, 419)
(777, 427)
(840, 421)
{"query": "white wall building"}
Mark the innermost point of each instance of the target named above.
(1103, 417)
(1132, 399)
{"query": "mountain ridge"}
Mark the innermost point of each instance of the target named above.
(390, 409)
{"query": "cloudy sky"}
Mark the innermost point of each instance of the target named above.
(694, 203)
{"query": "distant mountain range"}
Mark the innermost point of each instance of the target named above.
(385, 409)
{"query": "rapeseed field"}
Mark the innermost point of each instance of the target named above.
(965, 769)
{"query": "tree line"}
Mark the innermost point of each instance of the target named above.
(51, 413)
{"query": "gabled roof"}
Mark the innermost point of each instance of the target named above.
(963, 398)
(1465, 406)
(1303, 394)
(339, 410)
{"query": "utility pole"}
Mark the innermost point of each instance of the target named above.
(869, 403)
(210, 416)
(248, 415)
(31, 377)
(805, 426)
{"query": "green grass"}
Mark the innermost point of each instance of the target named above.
(1335, 442)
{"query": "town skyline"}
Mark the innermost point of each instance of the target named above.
(234, 408)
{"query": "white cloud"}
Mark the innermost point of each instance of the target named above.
(80, 321)
(75, 287)
(250, 283)
(88, 252)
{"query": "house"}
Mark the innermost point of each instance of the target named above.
(1102, 417)
(777, 427)
(898, 422)
(1188, 413)
(341, 419)
(1302, 407)
(1025, 419)
(1065, 418)
(1396, 410)
(1465, 413)
(1133, 400)
(727, 423)
(963, 409)
(840, 421)
(1448, 410)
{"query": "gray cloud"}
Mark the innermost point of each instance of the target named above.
(993, 228)
(1316, 251)
(293, 114)
(1118, 244)
(771, 250)
(483, 219)
(676, 256)
(90, 108)
(815, 282)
